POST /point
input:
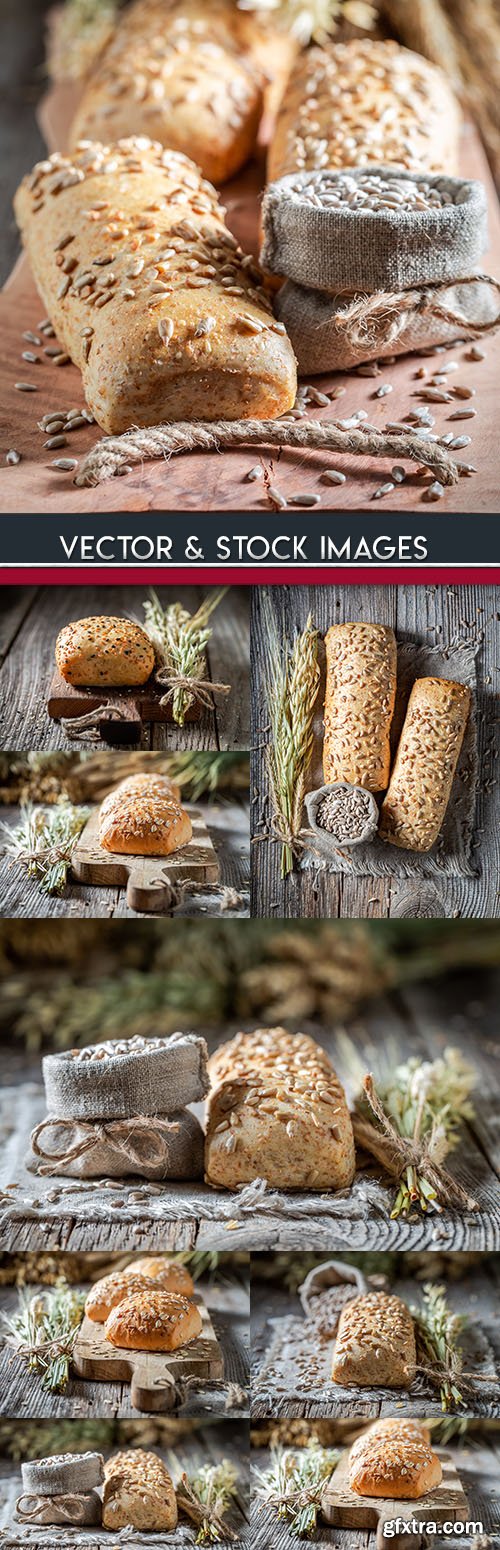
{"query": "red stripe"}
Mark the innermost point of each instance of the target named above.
(340, 575)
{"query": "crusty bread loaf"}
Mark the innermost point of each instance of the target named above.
(143, 822)
(189, 73)
(394, 1461)
(361, 667)
(153, 1320)
(104, 651)
(277, 1111)
(170, 1274)
(148, 291)
(350, 104)
(422, 776)
(111, 1290)
(161, 785)
(138, 1492)
(375, 1345)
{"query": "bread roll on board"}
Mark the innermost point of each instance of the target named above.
(414, 807)
(170, 1274)
(354, 103)
(395, 1460)
(361, 666)
(277, 1111)
(114, 1289)
(138, 1492)
(104, 651)
(148, 291)
(153, 1320)
(190, 74)
(375, 1345)
(143, 821)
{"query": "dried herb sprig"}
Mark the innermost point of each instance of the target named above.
(180, 640)
(410, 1122)
(292, 687)
(294, 1484)
(314, 20)
(43, 841)
(205, 1497)
(438, 1332)
(44, 1330)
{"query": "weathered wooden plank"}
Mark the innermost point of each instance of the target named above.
(433, 615)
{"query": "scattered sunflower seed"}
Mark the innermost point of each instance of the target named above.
(463, 414)
(304, 500)
(460, 441)
(381, 392)
(28, 355)
(56, 441)
(474, 354)
(31, 338)
(13, 456)
(254, 473)
(383, 489)
(435, 491)
(464, 392)
(398, 474)
(370, 370)
(62, 359)
(64, 464)
(26, 387)
(333, 476)
(276, 497)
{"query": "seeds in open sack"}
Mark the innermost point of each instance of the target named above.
(345, 813)
(373, 191)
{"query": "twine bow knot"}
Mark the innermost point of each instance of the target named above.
(142, 1141)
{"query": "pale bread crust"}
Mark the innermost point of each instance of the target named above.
(143, 821)
(138, 1491)
(414, 807)
(277, 1111)
(111, 1290)
(375, 1345)
(361, 671)
(170, 1274)
(153, 1320)
(158, 307)
(394, 1459)
(104, 651)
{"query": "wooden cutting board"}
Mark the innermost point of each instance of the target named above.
(153, 1374)
(136, 706)
(342, 1507)
(217, 481)
(147, 877)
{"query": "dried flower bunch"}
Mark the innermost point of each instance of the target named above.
(294, 1483)
(43, 841)
(438, 1332)
(43, 1332)
(180, 640)
(314, 20)
(204, 1498)
(410, 1123)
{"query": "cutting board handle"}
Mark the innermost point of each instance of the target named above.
(156, 895)
(159, 1394)
(398, 1541)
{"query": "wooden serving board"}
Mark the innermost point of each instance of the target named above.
(137, 706)
(217, 481)
(345, 1509)
(147, 877)
(153, 1374)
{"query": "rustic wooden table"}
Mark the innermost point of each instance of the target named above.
(21, 1393)
(30, 621)
(208, 1445)
(417, 1020)
(479, 1470)
(435, 615)
(287, 1392)
(228, 827)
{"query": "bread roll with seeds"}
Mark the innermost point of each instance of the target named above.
(394, 1460)
(277, 1111)
(170, 1274)
(153, 1320)
(110, 1291)
(361, 667)
(144, 820)
(104, 651)
(190, 74)
(422, 777)
(138, 1492)
(148, 291)
(375, 1345)
(367, 101)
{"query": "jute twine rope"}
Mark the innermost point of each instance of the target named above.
(143, 1141)
(397, 1153)
(385, 315)
(79, 728)
(117, 454)
(71, 1508)
(200, 1513)
(200, 689)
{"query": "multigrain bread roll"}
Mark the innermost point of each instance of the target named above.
(414, 807)
(148, 291)
(153, 1320)
(375, 1343)
(110, 1291)
(354, 103)
(361, 666)
(190, 74)
(161, 785)
(277, 1111)
(395, 1461)
(104, 651)
(143, 821)
(170, 1274)
(138, 1492)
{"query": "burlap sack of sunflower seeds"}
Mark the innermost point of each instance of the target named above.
(63, 1474)
(335, 333)
(360, 249)
(125, 1077)
(163, 1147)
(73, 1510)
(362, 282)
